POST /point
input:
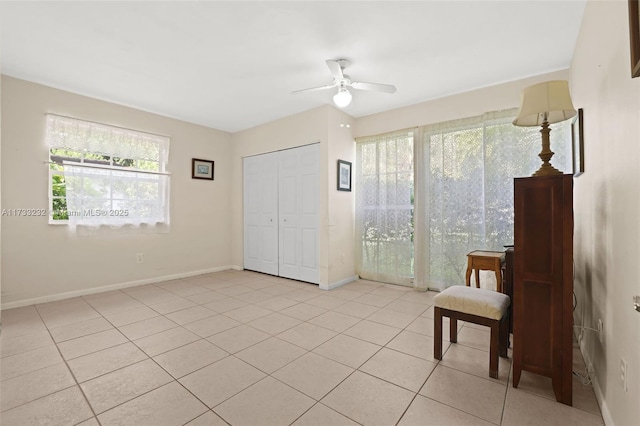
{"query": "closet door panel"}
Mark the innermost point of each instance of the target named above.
(289, 201)
(309, 213)
(269, 207)
(261, 213)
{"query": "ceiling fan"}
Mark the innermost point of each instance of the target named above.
(342, 82)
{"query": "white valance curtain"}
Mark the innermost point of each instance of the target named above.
(464, 172)
(85, 136)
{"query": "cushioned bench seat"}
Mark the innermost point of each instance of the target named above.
(478, 306)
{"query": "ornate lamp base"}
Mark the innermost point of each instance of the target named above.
(547, 170)
(545, 155)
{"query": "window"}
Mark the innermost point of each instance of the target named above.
(105, 175)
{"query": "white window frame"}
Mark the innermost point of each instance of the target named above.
(86, 153)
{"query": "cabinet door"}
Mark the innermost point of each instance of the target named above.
(299, 174)
(261, 213)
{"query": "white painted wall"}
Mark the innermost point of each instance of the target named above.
(607, 206)
(41, 260)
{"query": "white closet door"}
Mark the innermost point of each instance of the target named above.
(261, 213)
(299, 195)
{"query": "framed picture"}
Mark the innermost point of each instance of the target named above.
(201, 169)
(344, 176)
(577, 140)
(634, 34)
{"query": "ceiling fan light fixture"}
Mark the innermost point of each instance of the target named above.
(342, 98)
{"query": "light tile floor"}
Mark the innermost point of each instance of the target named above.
(243, 348)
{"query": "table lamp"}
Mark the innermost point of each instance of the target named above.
(543, 104)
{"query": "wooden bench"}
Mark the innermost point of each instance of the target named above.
(478, 306)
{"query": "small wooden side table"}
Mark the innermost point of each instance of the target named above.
(486, 261)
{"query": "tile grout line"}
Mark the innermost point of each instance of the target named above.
(173, 379)
(293, 360)
(95, 416)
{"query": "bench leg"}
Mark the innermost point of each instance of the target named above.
(493, 349)
(504, 335)
(437, 333)
(453, 329)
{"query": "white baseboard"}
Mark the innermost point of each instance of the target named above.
(604, 409)
(102, 289)
(340, 283)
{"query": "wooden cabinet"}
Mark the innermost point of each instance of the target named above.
(543, 280)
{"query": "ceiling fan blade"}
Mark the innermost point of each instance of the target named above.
(376, 87)
(335, 68)
(312, 89)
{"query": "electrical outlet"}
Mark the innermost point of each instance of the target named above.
(139, 257)
(624, 376)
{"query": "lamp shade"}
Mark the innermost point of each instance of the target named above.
(342, 98)
(549, 100)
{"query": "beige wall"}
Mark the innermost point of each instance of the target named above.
(341, 213)
(336, 220)
(463, 105)
(41, 260)
(607, 206)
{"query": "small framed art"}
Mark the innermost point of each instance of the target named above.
(577, 139)
(201, 169)
(344, 175)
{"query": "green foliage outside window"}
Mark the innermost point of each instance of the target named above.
(59, 200)
(94, 187)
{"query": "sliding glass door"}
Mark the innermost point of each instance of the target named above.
(464, 172)
(470, 166)
(384, 208)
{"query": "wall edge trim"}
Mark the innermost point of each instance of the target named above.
(340, 283)
(110, 287)
(604, 408)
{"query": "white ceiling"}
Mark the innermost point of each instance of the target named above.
(233, 65)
